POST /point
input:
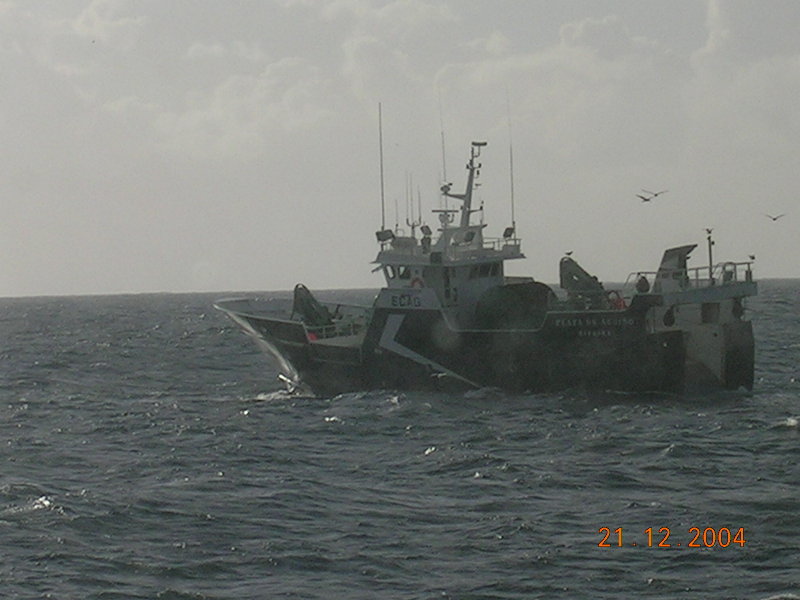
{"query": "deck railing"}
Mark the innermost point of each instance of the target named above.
(725, 273)
(348, 319)
(500, 244)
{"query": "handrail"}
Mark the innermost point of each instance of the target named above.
(724, 273)
(500, 243)
(346, 321)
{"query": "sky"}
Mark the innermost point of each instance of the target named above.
(198, 145)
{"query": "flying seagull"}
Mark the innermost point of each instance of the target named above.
(775, 218)
(650, 195)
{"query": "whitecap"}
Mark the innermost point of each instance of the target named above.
(42, 502)
(668, 450)
(788, 423)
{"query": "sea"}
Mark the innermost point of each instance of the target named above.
(148, 451)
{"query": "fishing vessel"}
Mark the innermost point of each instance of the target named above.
(449, 315)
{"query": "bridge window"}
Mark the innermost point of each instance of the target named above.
(397, 272)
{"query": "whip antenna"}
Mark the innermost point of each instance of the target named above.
(444, 164)
(511, 162)
(380, 144)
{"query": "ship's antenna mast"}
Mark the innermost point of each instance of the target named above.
(419, 205)
(710, 255)
(409, 203)
(408, 186)
(511, 163)
(473, 169)
(380, 143)
(444, 163)
(414, 221)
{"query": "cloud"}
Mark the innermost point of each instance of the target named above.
(102, 20)
(608, 37)
(397, 17)
(495, 44)
(250, 52)
(743, 101)
(752, 30)
(386, 49)
(367, 62)
(235, 118)
(583, 96)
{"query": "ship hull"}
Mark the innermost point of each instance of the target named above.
(601, 350)
(416, 348)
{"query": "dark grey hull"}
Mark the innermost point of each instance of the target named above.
(418, 350)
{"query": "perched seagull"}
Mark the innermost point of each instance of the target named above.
(774, 218)
(650, 195)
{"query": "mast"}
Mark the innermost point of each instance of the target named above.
(466, 208)
(710, 256)
(511, 162)
(466, 197)
(444, 163)
(380, 143)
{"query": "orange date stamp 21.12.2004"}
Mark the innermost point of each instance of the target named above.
(665, 537)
